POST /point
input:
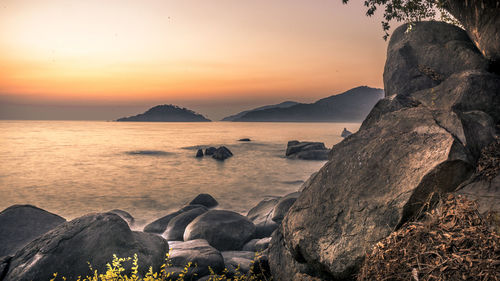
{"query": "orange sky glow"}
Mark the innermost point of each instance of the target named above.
(214, 56)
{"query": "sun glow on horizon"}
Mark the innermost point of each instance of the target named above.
(154, 49)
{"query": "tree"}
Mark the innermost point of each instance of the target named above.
(408, 11)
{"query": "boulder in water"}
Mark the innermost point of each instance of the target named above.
(306, 150)
(222, 153)
(199, 153)
(261, 215)
(177, 225)
(204, 199)
(160, 225)
(210, 150)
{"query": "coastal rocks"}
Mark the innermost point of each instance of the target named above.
(20, 224)
(244, 139)
(222, 153)
(177, 225)
(261, 215)
(160, 225)
(204, 199)
(257, 245)
(306, 150)
(199, 153)
(345, 133)
(426, 57)
(210, 150)
(238, 259)
(124, 215)
(283, 206)
(93, 238)
(418, 143)
(224, 230)
(197, 252)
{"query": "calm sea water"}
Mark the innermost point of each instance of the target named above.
(75, 167)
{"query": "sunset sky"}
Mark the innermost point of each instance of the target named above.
(95, 59)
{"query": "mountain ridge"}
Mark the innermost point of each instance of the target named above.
(166, 113)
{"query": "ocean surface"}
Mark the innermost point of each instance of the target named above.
(148, 169)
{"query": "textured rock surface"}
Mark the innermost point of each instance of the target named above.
(224, 230)
(306, 150)
(419, 142)
(480, 19)
(262, 216)
(204, 199)
(20, 224)
(241, 259)
(93, 238)
(283, 205)
(198, 252)
(430, 54)
(176, 226)
(160, 225)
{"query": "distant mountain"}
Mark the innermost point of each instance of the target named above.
(284, 104)
(351, 106)
(166, 113)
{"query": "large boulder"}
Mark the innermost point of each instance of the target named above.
(241, 260)
(204, 199)
(480, 19)
(262, 216)
(224, 230)
(160, 225)
(124, 215)
(417, 144)
(93, 238)
(430, 54)
(199, 253)
(20, 224)
(176, 226)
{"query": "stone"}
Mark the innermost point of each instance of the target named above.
(283, 205)
(204, 199)
(419, 143)
(210, 150)
(319, 154)
(238, 259)
(4, 266)
(198, 252)
(20, 224)
(199, 153)
(427, 56)
(245, 139)
(94, 238)
(261, 216)
(482, 23)
(257, 245)
(160, 225)
(295, 147)
(177, 225)
(345, 133)
(124, 215)
(222, 153)
(224, 230)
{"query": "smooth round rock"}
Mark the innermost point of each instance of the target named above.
(176, 226)
(224, 230)
(204, 199)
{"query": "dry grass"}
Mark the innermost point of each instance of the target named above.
(454, 242)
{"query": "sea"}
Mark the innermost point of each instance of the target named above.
(72, 168)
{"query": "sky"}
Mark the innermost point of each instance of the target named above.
(101, 60)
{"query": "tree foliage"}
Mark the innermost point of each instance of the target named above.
(408, 11)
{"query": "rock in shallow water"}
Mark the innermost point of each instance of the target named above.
(160, 225)
(210, 150)
(222, 153)
(306, 150)
(177, 225)
(204, 199)
(224, 230)
(199, 153)
(20, 224)
(93, 238)
(283, 205)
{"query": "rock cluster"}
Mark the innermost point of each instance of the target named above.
(421, 141)
(306, 150)
(221, 153)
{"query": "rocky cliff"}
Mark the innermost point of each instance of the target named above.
(422, 140)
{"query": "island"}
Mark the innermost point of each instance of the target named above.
(166, 113)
